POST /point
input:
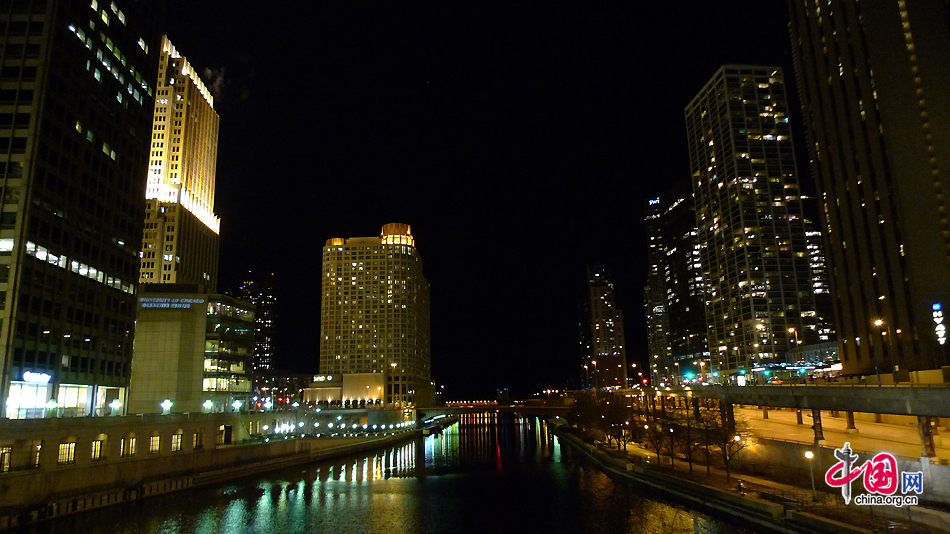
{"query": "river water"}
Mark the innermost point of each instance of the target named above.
(486, 474)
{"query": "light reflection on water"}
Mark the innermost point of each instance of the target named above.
(488, 473)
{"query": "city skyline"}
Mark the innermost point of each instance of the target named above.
(497, 136)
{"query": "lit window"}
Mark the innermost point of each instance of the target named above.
(67, 453)
(5, 453)
(97, 449)
(154, 443)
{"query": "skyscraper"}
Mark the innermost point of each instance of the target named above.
(76, 99)
(676, 294)
(750, 226)
(261, 291)
(180, 239)
(607, 359)
(876, 99)
(660, 357)
(375, 312)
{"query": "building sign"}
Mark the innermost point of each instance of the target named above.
(882, 479)
(36, 378)
(939, 327)
(170, 302)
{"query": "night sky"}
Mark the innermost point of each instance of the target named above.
(520, 140)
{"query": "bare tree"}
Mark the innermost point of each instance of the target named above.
(687, 429)
(586, 413)
(726, 436)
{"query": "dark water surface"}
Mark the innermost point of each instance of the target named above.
(486, 474)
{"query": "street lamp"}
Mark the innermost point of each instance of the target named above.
(811, 471)
(166, 406)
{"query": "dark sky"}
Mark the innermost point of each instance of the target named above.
(520, 141)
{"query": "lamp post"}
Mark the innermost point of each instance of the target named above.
(811, 471)
(595, 374)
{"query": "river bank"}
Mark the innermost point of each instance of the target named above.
(157, 475)
(762, 514)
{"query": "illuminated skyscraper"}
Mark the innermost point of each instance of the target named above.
(76, 96)
(750, 225)
(261, 291)
(375, 312)
(675, 290)
(607, 358)
(180, 239)
(876, 98)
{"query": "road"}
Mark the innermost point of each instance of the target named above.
(900, 440)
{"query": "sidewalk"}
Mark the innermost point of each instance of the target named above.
(870, 437)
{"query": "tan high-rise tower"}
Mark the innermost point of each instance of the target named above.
(180, 238)
(375, 312)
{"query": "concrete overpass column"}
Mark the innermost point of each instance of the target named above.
(851, 429)
(927, 446)
(798, 417)
(816, 426)
(728, 416)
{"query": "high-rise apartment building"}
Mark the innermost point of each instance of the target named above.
(676, 316)
(261, 291)
(607, 357)
(876, 98)
(180, 238)
(76, 101)
(375, 313)
(750, 225)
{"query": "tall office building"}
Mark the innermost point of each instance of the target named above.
(76, 96)
(750, 226)
(261, 291)
(676, 316)
(876, 97)
(654, 297)
(180, 238)
(607, 357)
(375, 313)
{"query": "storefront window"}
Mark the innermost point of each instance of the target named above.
(72, 400)
(27, 400)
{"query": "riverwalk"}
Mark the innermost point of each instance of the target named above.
(768, 505)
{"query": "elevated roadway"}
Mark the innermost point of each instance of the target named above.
(917, 400)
